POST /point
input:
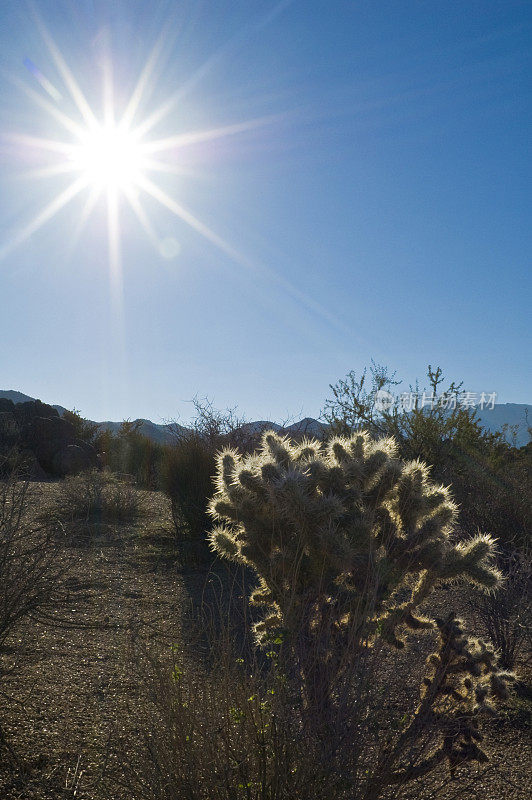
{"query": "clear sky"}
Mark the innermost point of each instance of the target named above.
(359, 188)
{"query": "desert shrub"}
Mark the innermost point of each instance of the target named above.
(491, 479)
(233, 727)
(85, 430)
(219, 735)
(348, 543)
(31, 569)
(130, 452)
(221, 428)
(187, 471)
(96, 497)
(187, 479)
(505, 616)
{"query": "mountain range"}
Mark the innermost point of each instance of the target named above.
(513, 415)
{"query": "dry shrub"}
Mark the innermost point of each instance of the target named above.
(187, 469)
(31, 570)
(233, 724)
(505, 616)
(187, 479)
(233, 727)
(357, 695)
(96, 498)
(30, 567)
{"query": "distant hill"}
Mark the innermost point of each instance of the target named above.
(15, 397)
(509, 414)
(162, 434)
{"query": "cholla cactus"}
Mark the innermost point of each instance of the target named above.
(317, 521)
(347, 537)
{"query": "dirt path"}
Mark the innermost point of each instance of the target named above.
(69, 675)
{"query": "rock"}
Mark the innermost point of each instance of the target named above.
(6, 405)
(73, 458)
(37, 429)
(25, 412)
(9, 428)
(45, 437)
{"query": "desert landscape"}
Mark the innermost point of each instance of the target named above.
(265, 421)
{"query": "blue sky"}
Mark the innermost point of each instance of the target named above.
(379, 209)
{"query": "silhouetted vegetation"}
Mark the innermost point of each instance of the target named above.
(491, 479)
(130, 452)
(30, 570)
(95, 498)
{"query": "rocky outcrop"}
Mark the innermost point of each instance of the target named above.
(37, 431)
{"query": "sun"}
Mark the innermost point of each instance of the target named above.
(113, 159)
(115, 151)
(109, 157)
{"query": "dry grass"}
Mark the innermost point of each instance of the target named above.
(88, 504)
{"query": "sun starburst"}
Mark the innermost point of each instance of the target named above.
(116, 159)
(112, 158)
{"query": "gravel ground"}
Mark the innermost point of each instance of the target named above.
(67, 688)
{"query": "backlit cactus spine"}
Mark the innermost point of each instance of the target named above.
(339, 533)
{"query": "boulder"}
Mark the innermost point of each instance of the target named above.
(37, 429)
(45, 437)
(26, 412)
(74, 458)
(7, 405)
(9, 428)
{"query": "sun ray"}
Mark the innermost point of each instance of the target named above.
(180, 211)
(142, 217)
(45, 215)
(86, 212)
(142, 83)
(209, 64)
(70, 82)
(49, 171)
(195, 137)
(112, 158)
(46, 105)
(108, 93)
(43, 81)
(153, 165)
(116, 283)
(115, 255)
(165, 108)
(39, 143)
